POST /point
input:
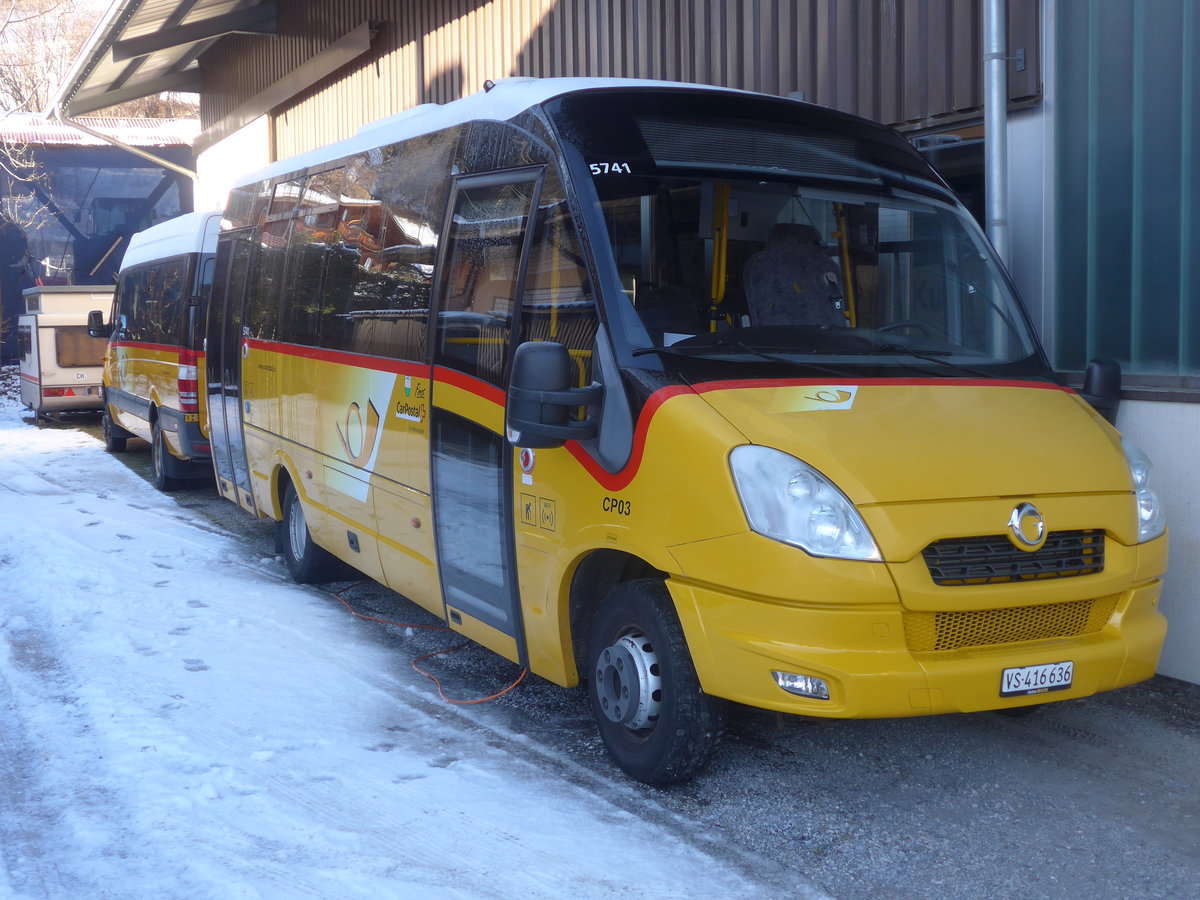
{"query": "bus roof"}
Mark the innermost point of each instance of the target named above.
(190, 233)
(504, 100)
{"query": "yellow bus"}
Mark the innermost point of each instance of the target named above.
(153, 358)
(687, 394)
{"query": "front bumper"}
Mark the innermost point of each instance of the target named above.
(862, 650)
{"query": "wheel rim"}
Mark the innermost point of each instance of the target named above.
(628, 684)
(156, 452)
(297, 529)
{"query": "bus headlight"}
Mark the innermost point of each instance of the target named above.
(789, 501)
(1152, 521)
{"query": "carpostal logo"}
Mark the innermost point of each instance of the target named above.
(410, 412)
(412, 408)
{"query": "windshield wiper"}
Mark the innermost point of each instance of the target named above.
(724, 346)
(933, 356)
(729, 346)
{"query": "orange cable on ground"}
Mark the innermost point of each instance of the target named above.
(342, 600)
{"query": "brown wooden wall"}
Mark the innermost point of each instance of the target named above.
(906, 62)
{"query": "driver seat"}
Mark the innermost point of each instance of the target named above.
(792, 280)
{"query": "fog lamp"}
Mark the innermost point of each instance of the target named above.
(803, 685)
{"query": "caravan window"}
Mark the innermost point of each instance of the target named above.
(74, 348)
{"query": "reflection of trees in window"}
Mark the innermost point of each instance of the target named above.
(171, 302)
(152, 302)
(266, 280)
(301, 305)
(379, 277)
(130, 292)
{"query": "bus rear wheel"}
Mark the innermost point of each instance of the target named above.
(162, 462)
(114, 437)
(654, 719)
(306, 562)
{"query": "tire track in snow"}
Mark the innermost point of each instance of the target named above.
(53, 811)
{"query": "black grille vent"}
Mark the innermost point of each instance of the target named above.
(994, 560)
(688, 143)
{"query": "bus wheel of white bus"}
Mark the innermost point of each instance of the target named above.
(654, 719)
(161, 460)
(306, 562)
(112, 443)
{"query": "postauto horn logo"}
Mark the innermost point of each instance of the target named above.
(358, 433)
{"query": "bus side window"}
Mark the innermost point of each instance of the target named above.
(122, 303)
(394, 201)
(171, 304)
(263, 287)
(134, 308)
(354, 287)
(302, 303)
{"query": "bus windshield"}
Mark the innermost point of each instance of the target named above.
(753, 270)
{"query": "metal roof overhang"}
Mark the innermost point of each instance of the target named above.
(145, 47)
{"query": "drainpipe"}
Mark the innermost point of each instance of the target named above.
(995, 124)
(137, 151)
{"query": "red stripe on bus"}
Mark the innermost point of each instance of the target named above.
(144, 345)
(744, 384)
(477, 386)
(617, 481)
(620, 480)
(344, 357)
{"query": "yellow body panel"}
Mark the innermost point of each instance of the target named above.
(923, 462)
(149, 372)
(749, 604)
(895, 441)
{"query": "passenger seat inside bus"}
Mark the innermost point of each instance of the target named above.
(792, 280)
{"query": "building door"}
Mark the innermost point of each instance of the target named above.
(224, 345)
(479, 296)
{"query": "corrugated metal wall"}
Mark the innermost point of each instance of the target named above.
(905, 62)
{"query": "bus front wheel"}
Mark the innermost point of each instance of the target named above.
(654, 719)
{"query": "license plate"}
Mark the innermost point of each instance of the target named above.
(1026, 680)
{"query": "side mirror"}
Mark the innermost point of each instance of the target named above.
(95, 325)
(1102, 387)
(540, 398)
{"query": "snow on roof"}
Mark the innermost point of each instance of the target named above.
(30, 128)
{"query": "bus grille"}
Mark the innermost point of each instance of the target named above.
(933, 631)
(994, 560)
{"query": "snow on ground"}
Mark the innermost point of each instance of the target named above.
(177, 720)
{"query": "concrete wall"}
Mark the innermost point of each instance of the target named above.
(1169, 433)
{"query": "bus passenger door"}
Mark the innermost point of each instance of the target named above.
(223, 344)
(478, 296)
